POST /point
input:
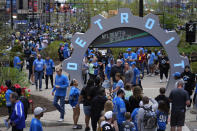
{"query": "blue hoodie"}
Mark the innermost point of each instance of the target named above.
(63, 82)
(18, 115)
(7, 97)
(36, 125)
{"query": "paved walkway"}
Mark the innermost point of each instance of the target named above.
(151, 87)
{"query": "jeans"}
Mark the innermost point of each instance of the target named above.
(47, 79)
(60, 107)
(38, 76)
(142, 68)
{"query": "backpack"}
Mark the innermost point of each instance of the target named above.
(150, 118)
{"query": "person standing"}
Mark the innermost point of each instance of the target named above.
(163, 66)
(60, 89)
(36, 125)
(119, 108)
(189, 80)
(141, 61)
(38, 69)
(17, 119)
(136, 75)
(17, 62)
(73, 101)
(117, 68)
(31, 76)
(179, 99)
(108, 126)
(7, 97)
(50, 67)
(128, 73)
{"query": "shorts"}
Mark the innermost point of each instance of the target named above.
(87, 110)
(150, 65)
(177, 118)
(73, 104)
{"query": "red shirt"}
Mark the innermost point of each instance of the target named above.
(141, 58)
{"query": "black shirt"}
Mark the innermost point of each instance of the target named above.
(107, 127)
(115, 69)
(163, 62)
(134, 103)
(163, 98)
(178, 97)
(87, 93)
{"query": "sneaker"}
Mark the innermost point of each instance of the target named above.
(60, 120)
(161, 81)
(40, 89)
(87, 129)
(152, 75)
(77, 127)
(166, 80)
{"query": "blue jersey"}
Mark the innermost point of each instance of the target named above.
(136, 74)
(49, 66)
(63, 82)
(134, 117)
(7, 97)
(18, 115)
(161, 120)
(108, 70)
(96, 68)
(119, 109)
(66, 52)
(151, 59)
(35, 125)
(17, 64)
(39, 65)
(74, 96)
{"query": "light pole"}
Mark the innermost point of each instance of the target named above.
(11, 14)
(141, 8)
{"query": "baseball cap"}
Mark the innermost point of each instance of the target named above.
(39, 110)
(133, 63)
(108, 115)
(177, 74)
(129, 49)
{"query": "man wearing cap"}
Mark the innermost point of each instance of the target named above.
(177, 77)
(36, 125)
(60, 88)
(108, 122)
(136, 75)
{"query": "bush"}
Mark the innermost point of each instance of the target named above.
(52, 50)
(194, 67)
(8, 73)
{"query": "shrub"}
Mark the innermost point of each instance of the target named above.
(8, 73)
(52, 50)
(194, 67)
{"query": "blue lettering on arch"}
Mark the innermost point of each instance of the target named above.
(170, 40)
(150, 23)
(80, 42)
(124, 18)
(98, 22)
(71, 66)
(182, 64)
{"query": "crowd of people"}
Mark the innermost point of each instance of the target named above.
(112, 95)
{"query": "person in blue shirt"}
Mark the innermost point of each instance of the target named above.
(66, 51)
(150, 57)
(73, 101)
(38, 70)
(162, 116)
(108, 69)
(17, 119)
(60, 89)
(36, 125)
(119, 108)
(127, 56)
(50, 67)
(17, 62)
(7, 97)
(134, 117)
(119, 85)
(136, 75)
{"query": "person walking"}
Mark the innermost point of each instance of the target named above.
(179, 99)
(60, 89)
(163, 66)
(38, 69)
(17, 61)
(73, 101)
(50, 67)
(31, 76)
(36, 124)
(17, 119)
(9, 91)
(119, 108)
(147, 118)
